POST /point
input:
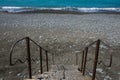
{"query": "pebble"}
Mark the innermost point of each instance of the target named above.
(19, 74)
(102, 46)
(100, 70)
(119, 73)
(40, 37)
(77, 51)
(90, 74)
(1, 78)
(107, 78)
(10, 72)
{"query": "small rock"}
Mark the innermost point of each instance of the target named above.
(109, 68)
(94, 46)
(77, 51)
(1, 78)
(102, 46)
(40, 37)
(70, 46)
(90, 74)
(119, 73)
(46, 76)
(10, 72)
(107, 78)
(19, 74)
(99, 70)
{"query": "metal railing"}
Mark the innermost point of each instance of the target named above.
(28, 57)
(83, 61)
(85, 55)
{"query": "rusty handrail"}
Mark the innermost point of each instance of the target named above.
(46, 52)
(91, 44)
(12, 48)
(29, 59)
(110, 63)
(84, 56)
(105, 44)
(85, 59)
(101, 62)
(96, 59)
(37, 44)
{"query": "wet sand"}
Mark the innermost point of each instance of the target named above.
(58, 33)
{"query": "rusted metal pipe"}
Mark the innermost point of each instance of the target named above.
(96, 59)
(41, 60)
(85, 59)
(28, 57)
(82, 62)
(53, 58)
(76, 58)
(111, 51)
(12, 48)
(110, 60)
(47, 61)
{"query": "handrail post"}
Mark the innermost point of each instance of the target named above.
(85, 59)
(28, 57)
(41, 60)
(76, 58)
(47, 61)
(53, 58)
(11, 59)
(110, 57)
(96, 59)
(82, 62)
(110, 60)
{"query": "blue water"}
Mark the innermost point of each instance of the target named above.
(113, 5)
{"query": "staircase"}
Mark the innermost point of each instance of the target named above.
(61, 72)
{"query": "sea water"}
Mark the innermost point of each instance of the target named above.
(71, 5)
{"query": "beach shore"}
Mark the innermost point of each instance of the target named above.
(58, 33)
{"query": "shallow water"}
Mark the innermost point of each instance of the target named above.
(71, 5)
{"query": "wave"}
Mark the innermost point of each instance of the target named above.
(75, 9)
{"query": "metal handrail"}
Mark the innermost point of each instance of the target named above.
(91, 44)
(84, 57)
(29, 59)
(37, 44)
(11, 51)
(101, 62)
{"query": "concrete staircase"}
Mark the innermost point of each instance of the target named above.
(61, 72)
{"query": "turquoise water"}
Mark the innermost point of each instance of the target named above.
(61, 3)
(71, 4)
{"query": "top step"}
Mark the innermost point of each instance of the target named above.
(62, 72)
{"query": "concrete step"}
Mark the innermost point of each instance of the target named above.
(61, 72)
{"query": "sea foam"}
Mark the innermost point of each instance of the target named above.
(75, 9)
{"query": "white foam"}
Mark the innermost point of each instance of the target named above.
(5, 7)
(11, 9)
(15, 9)
(99, 9)
(77, 9)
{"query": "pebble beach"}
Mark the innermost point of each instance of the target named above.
(105, 25)
(57, 33)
